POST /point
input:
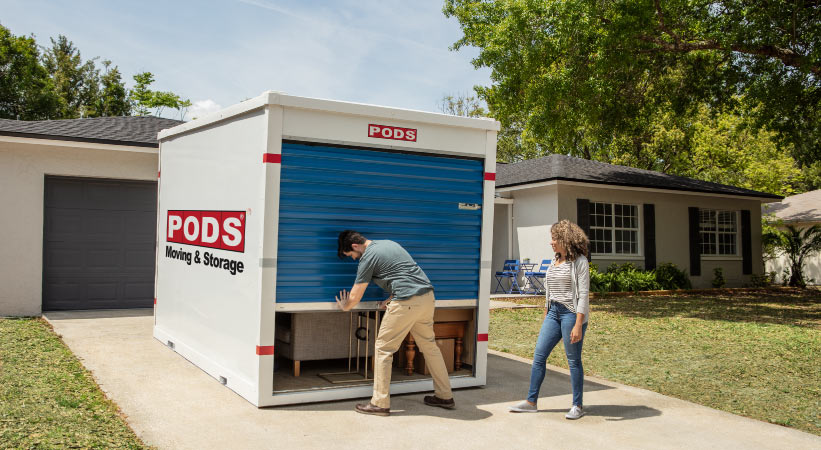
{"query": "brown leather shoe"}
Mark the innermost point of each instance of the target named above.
(372, 409)
(432, 400)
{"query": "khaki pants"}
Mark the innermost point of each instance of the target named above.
(414, 315)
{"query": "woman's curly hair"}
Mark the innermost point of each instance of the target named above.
(570, 237)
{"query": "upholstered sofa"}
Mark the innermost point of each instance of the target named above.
(311, 336)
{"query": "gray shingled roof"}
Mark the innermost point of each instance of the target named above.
(122, 130)
(804, 207)
(568, 168)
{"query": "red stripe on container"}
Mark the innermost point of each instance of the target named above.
(481, 337)
(490, 176)
(275, 158)
(158, 173)
(155, 300)
(265, 349)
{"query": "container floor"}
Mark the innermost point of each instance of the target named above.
(309, 378)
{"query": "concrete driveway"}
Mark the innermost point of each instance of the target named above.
(172, 404)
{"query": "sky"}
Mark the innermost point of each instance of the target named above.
(219, 53)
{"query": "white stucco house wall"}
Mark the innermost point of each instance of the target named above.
(79, 213)
(631, 215)
(801, 211)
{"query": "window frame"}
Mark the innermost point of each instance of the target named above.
(716, 232)
(639, 255)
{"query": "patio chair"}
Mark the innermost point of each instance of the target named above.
(510, 271)
(536, 278)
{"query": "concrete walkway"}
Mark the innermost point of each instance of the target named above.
(172, 404)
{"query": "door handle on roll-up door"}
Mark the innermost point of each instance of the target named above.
(469, 206)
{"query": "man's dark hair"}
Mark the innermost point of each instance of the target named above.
(346, 240)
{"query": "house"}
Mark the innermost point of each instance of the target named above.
(801, 211)
(79, 213)
(631, 215)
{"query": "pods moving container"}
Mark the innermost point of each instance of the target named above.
(251, 201)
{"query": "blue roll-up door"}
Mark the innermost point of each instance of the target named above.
(408, 198)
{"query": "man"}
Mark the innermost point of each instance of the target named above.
(409, 309)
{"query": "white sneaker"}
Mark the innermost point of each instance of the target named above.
(574, 413)
(523, 406)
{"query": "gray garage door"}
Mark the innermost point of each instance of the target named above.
(98, 243)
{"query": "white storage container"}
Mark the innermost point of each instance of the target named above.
(251, 200)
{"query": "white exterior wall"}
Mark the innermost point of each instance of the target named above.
(24, 163)
(212, 316)
(781, 265)
(672, 228)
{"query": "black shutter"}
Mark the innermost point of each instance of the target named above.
(583, 218)
(695, 242)
(746, 244)
(649, 236)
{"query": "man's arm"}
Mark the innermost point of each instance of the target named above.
(347, 301)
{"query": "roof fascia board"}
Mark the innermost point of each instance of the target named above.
(77, 144)
(363, 109)
(634, 188)
(334, 106)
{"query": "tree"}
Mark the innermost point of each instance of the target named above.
(797, 245)
(76, 83)
(113, 98)
(461, 105)
(144, 99)
(596, 78)
(26, 91)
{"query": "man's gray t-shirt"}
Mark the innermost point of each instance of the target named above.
(391, 267)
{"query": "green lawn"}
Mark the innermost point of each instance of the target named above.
(756, 354)
(47, 398)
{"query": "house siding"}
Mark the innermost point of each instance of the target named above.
(671, 220)
(23, 168)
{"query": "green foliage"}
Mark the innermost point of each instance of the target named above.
(75, 82)
(669, 277)
(461, 105)
(797, 244)
(26, 91)
(145, 99)
(718, 278)
(59, 84)
(648, 83)
(764, 280)
(629, 278)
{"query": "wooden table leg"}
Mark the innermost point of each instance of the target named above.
(457, 363)
(410, 354)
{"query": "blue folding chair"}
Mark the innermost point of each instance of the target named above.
(509, 271)
(536, 278)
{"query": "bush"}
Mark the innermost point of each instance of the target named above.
(763, 280)
(669, 276)
(718, 278)
(624, 278)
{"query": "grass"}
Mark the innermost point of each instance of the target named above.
(48, 399)
(757, 353)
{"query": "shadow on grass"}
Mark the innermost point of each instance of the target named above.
(789, 307)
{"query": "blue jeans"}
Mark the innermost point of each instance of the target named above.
(557, 326)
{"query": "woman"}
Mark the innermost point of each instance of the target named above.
(567, 308)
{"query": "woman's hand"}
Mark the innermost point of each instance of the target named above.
(576, 333)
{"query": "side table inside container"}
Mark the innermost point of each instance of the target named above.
(442, 330)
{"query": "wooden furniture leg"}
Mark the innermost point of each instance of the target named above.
(457, 364)
(410, 354)
(296, 368)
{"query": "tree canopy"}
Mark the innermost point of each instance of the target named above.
(56, 83)
(635, 81)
